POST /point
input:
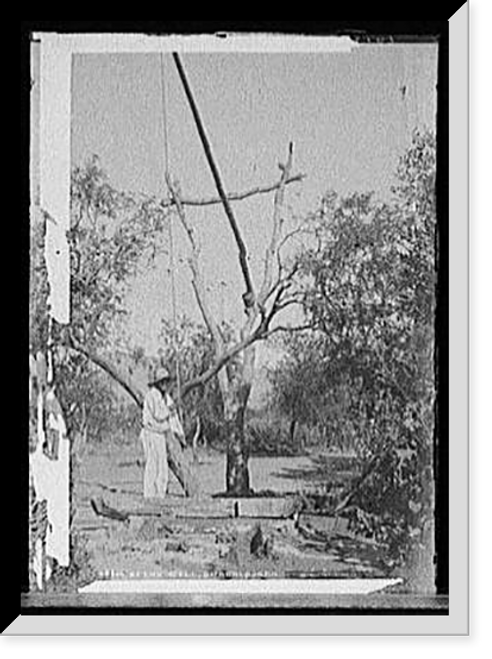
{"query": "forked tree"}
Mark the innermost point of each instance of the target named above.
(275, 293)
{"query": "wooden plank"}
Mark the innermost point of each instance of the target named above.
(197, 514)
(277, 507)
(259, 507)
(181, 507)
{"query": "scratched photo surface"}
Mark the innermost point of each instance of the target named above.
(232, 308)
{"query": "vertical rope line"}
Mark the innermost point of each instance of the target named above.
(171, 237)
(164, 115)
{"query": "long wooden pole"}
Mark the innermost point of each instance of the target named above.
(243, 256)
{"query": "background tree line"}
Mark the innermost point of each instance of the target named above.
(365, 374)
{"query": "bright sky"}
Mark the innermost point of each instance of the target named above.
(350, 116)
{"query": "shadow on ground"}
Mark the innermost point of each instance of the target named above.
(322, 469)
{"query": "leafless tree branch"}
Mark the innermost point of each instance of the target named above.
(272, 251)
(219, 363)
(235, 196)
(288, 303)
(294, 232)
(279, 289)
(106, 366)
(197, 279)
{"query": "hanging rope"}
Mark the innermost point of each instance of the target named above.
(171, 236)
(164, 115)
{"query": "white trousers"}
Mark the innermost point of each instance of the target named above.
(156, 474)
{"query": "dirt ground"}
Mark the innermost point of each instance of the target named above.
(206, 537)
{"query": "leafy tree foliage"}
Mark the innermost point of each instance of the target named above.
(297, 387)
(370, 279)
(112, 234)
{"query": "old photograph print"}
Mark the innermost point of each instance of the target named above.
(233, 382)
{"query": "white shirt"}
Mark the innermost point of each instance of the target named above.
(160, 413)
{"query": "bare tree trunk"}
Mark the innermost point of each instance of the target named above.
(236, 396)
(237, 471)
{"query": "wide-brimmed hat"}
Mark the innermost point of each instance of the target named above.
(158, 374)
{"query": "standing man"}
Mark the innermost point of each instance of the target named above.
(160, 419)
